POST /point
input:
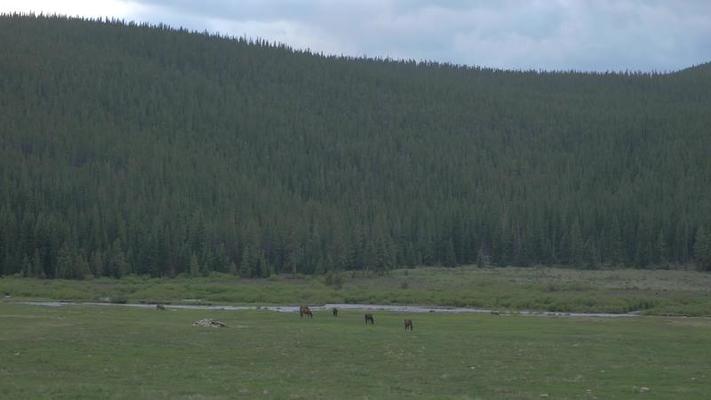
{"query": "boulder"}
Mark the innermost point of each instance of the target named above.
(210, 323)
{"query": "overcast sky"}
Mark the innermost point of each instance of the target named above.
(661, 35)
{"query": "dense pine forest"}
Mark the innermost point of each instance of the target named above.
(136, 149)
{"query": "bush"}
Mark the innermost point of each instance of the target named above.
(119, 299)
(333, 280)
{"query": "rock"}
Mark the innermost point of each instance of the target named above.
(643, 389)
(160, 307)
(209, 323)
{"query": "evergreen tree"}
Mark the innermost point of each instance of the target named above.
(37, 268)
(66, 267)
(81, 267)
(662, 248)
(246, 264)
(194, 268)
(26, 267)
(97, 264)
(702, 249)
(118, 264)
(232, 269)
(577, 245)
(450, 259)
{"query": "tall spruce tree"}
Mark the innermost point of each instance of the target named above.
(702, 249)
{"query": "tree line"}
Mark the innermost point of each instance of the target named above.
(137, 149)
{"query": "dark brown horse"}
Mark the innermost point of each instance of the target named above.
(369, 318)
(305, 310)
(408, 324)
(334, 312)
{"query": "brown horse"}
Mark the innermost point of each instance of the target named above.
(305, 310)
(408, 324)
(369, 317)
(334, 312)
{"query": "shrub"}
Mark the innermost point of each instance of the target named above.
(118, 299)
(334, 280)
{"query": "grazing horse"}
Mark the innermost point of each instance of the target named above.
(408, 324)
(305, 310)
(369, 317)
(334, 312)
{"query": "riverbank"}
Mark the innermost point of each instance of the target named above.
(412, 309)
(558, 290)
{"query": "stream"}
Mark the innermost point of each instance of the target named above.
(327, 307)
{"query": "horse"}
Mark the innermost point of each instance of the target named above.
(334, 312)
(408, 324)
(369, 317)
(305, 310)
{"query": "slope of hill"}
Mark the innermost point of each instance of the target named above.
(704, 68)
(134, 149)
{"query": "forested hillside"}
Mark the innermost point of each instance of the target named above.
(128, 148)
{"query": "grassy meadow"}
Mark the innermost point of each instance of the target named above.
(91, 352)
(653, 292)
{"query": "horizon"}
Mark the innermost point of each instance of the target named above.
(514, 35)
(255, 40)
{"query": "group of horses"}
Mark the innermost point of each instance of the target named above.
(369, 319)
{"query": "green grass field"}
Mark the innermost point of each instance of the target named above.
(100, 352)
(654, 292)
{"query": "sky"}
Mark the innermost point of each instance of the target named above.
(584, 35)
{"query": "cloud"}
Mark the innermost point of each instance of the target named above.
(535, 34)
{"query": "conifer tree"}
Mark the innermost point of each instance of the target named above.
(702, 249)
(246, 264)
(194, 268)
